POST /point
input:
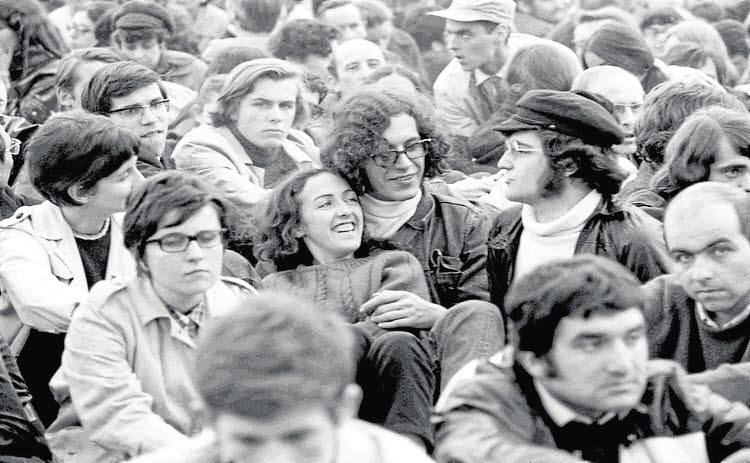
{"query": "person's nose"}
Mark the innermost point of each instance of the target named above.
(193, 251)
(274, 452)
(149, 116)
(702, 270)
(743, 182)
(452, 42)
(620, 361)
(505, 162)
(628, 118)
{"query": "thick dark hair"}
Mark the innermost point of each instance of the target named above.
(357, 133)
(76, 148)
(67, 68)
(733, 34)
(425, 28)
(276, 353)
(667, 106)
(621, 45)
(659, 17)
(301, 38)
(694, 148)
(36, 35)
(258, 15)
(708, 11)
(581, 287)
(707, 36)
(168, 191)
(116, 80)
(695, 55)
(596, 166)
(542, 66)
(275, 241)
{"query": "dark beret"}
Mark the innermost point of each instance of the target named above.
(566, 113)
(137, 14)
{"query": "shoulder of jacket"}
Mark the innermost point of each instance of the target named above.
(180, 58)
(22, 213)
(104, 290)
(238, 285)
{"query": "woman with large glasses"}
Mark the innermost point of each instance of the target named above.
(129, 351)
(387, 148)
(312, 233)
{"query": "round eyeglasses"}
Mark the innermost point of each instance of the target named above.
(178, 242)
(414, 150)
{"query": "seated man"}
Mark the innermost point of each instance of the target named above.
(578, 385)
(698, 316)
(133, 97)
(277, 381)
(53, 252)
(124, 383)
(140, 33)
(559, 166)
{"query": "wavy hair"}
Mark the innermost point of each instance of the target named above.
(357, 133)
(707, 36)
(596, 166)
(694, 148)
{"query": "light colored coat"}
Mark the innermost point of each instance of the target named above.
(127, 368)
(41, 274)
(216, 156)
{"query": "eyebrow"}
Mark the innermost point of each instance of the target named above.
(407, 141)
(710, 245)
(137, 105)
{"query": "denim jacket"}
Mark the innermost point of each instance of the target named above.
(448, 237)
(625, 234)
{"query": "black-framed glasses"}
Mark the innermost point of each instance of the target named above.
(135, 113)
(178, 242)
(414, 150)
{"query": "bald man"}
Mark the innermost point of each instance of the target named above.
(699, 315)
(353, 60)
(625, 92)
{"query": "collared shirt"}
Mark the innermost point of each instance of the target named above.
(190, 321)
(708, 320)
(561, 414)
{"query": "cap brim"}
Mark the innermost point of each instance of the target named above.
(459, 15)
(513, 125)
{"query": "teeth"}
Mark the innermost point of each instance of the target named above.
(344, 227)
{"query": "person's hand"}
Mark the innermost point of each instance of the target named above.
(740, 456)
(401, 309)
(470, 188)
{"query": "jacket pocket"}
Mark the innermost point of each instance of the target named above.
(446, 273)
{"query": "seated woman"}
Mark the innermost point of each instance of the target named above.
(250, 145)
(711, 145)
(53, 252)
(125, 381)
(313, 236)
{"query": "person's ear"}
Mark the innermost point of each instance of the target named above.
(350, 402)
(537, 367)
(501, 33)
(568, 166)
(65, 99)
(80, 194)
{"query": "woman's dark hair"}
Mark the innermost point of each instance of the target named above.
(276, 241)
(37, 37)
(169, 191)
(582, 287)
(596, 166)
(695, 146)
(623, 46)
(76, 148)
(357, 133)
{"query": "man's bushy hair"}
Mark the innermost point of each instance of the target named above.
(301, 38)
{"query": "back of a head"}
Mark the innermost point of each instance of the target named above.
(598, 77)
(734, 35)
(274, 354)
(301, 38)
(582, 286)
(259, 15)
(667, 106)
(708, 11)
(374, 12)
(228, 58)
(688, 54)
(623, 46)
(543, 66)
(425, 28)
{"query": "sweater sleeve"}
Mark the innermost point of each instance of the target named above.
(400, 271)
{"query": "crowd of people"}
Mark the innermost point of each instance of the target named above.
(383, 231)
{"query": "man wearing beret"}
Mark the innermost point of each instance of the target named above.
(560, 166)
(140, 33)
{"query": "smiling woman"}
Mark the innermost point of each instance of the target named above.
(313, 234)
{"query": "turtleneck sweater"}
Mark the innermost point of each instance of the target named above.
(384, 218)
(543, 242)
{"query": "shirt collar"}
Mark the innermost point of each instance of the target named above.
(560, 413)
(709, 321)
(480, 76)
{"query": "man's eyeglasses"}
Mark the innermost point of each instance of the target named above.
(514, 148)
(178, 242)
(136, 113)
(620, 108)
(413, 150)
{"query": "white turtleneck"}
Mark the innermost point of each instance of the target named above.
(543, 242)
(384, 218)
